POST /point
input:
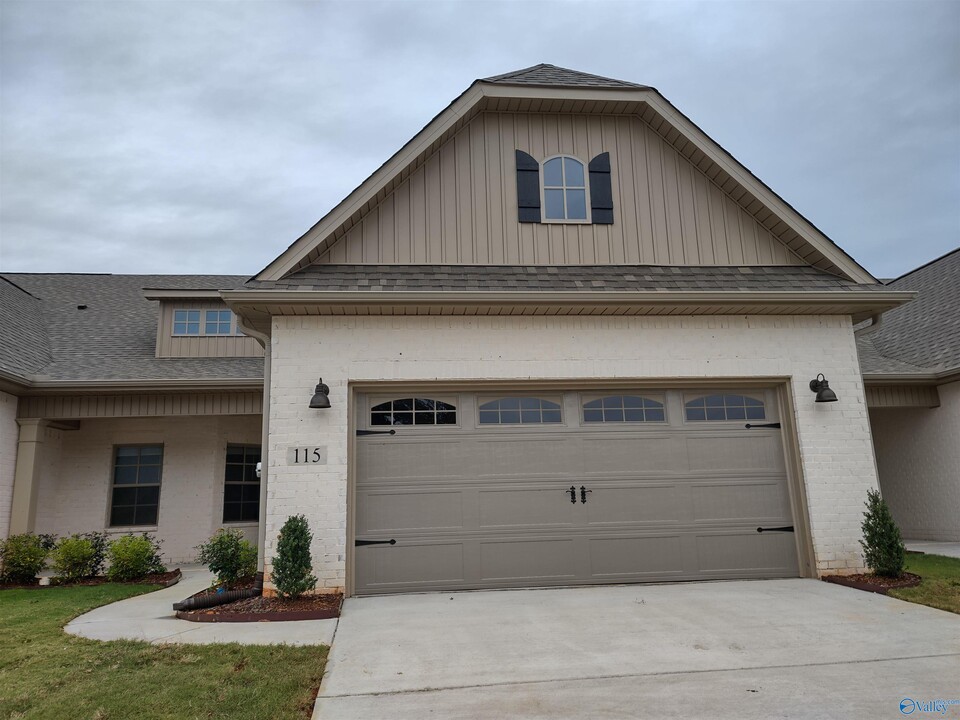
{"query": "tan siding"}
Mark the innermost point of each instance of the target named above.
(155, 405)
(459, 206)
(889, 396)
(223, 346)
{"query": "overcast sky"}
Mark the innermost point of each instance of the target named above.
(205, 137)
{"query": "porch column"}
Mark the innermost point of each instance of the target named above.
(23, 511)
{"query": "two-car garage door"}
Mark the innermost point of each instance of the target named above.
(534, 488)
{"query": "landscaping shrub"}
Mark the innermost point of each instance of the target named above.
(22, 557)
(292, 565)
(100, 542)
(133, 556)
(231, 558)
(73, 558)
(883, 548)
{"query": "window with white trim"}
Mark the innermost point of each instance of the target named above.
(135, 491)
(241, 486)
(623, 408)
(718, 408)
(564, 190)
(413, 411)
(520, 411)
(205, 323)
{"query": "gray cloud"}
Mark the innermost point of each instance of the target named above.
(207, 136)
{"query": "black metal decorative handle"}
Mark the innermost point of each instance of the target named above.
(770, 425)
(361, 543)
(785, 528)
(573, 494)
(583, 494)
(361, 433)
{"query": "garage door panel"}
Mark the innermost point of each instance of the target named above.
(753, 502)
(773, 553)
(410, 564)
(528, 560)
(636, 556)
(525, 507)
(503, 456)
(641, 452)
(633, 503)
(405, 459)
(760, 451)
(412, 510)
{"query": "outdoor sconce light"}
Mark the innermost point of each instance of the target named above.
(320, 397)
(820, 386)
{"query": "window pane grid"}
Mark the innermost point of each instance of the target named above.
(564, 189)
(413, 411)
(135, 495)
(520, 411)
(623, 408)
(241, 487)
(213, 323)
(718, 408)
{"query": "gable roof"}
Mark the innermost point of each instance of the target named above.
(923, 336)
(112, 339)
(544, 88)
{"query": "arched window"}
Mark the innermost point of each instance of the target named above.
(623, 408)
(519, 411)
(564, 189)
(413, 411)
(724, 407)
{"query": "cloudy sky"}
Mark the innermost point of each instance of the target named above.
(199, 137)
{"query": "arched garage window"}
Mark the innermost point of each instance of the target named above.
(623, 408)
(413, 411)
(519, 411)
(712, 408)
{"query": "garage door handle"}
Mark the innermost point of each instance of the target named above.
(583, 494)
(573, 494)
(770, 425)
(785, 528)
(361, 433)
(361, 543)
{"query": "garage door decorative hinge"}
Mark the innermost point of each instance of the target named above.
(361, 543)
(770, 425)
(785, 528)
(361, 433)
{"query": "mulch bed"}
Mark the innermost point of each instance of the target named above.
(163, 579)
(268, 609)
(875, 583)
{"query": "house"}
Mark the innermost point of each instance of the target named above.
(911, 369)
(561, 337)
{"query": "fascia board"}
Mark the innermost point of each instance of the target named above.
(166, 294)
(46, 387)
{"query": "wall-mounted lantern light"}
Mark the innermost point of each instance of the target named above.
(821, 387)
(321, 397)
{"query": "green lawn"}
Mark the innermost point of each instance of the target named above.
(45, 673)
(941, 582)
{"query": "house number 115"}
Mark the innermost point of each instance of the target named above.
(306, 456)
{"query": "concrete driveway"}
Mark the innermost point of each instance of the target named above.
(775, 648)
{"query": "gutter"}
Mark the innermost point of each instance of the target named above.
(159, 385)
(928, 378)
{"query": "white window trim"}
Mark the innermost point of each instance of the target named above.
(234, 327)
(543, 196)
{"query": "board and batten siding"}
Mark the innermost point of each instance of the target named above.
(76, 407)
(460, 206)
(169, 345)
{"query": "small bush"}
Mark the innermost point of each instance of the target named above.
(231, 558)
(133, 556)
(100, 542)
(73, 558)
(883, 548)
(292, 566)
(22, 557)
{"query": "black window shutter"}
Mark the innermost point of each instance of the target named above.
(528, 188)
(601, 194)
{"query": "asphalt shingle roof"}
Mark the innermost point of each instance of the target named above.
(544, 75)
(23, 348)
(923, 335)
(559, 278)
(114, 337)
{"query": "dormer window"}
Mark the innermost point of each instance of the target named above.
(214, 323)
(564, 190)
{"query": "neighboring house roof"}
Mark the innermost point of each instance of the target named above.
(560, 278)
(546, 88)
(113, 338)
(24, 348)
(923, 336)
(545, 75)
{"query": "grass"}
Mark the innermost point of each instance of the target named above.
(941, 582)
(45, 673)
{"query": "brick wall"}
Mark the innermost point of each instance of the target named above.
(75, 477)
(918, 458)
(834, 438)
(8, 457)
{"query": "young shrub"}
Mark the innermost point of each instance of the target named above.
(133, 556)
(73, 558)
(22, 557)
(883, 548)
(292, 565)
(231, 558)
(100, 542)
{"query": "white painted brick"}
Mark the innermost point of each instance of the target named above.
(834, 438)
(9, 432)
(918, 458)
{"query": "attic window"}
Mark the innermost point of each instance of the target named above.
(214, 323)
(564, 190)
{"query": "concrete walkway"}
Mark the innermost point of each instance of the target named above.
(762, 649)
(150, 617)
(950, 549)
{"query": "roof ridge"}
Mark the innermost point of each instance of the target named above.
(542, 68)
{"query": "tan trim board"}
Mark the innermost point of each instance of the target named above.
(888, 396)
(162, 294)
(140, 405)
(796, 482)
(45, 387)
